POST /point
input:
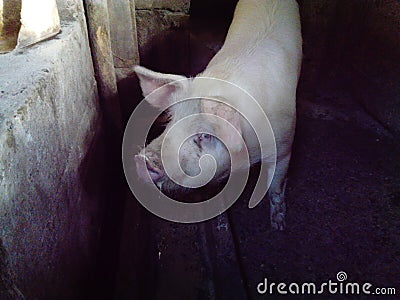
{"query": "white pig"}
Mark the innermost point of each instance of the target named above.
(261, 54)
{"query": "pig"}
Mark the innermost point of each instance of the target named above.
(262, 54)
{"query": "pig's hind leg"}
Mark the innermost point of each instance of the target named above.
(276, 194)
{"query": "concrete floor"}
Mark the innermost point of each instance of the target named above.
(343, 209)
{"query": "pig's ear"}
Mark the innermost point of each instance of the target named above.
(233, 140)
(151, 81)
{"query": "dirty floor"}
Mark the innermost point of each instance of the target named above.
(343, 199)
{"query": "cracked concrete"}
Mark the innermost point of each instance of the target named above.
(49, 118)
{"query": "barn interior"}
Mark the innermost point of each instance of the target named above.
(70, 227)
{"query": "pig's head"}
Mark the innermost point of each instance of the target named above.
(198, 137)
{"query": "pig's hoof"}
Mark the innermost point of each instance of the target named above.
(278, 211)
(278, 222)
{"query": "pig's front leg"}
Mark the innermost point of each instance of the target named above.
(276, 194)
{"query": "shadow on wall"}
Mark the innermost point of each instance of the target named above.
(213, 9)
(8, 289)
(357, 42)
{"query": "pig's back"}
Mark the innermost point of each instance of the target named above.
(261, 31)
(262, 54)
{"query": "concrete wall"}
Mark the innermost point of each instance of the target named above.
(375, 61)
(10, 15)
(123, 36)
(161, 24)
(50, 180)
(49, 118)
(357, 42)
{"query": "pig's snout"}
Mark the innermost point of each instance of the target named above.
(146, 170)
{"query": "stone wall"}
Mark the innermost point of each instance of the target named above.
(162, 25)
(51, 180)
(123, 36)
(10, 15)
(49, 119)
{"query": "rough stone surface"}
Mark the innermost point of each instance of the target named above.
(8, 289)
(100, 36)
(173, 5)
(155, 19)
(10, 15)
(48, 120)
(134, 30)
(153, 24)
(123, 35)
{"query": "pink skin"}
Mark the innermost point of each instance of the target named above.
(143, 167)
(149, 166)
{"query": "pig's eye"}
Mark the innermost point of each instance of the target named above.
(205, 136)
(202, 138)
